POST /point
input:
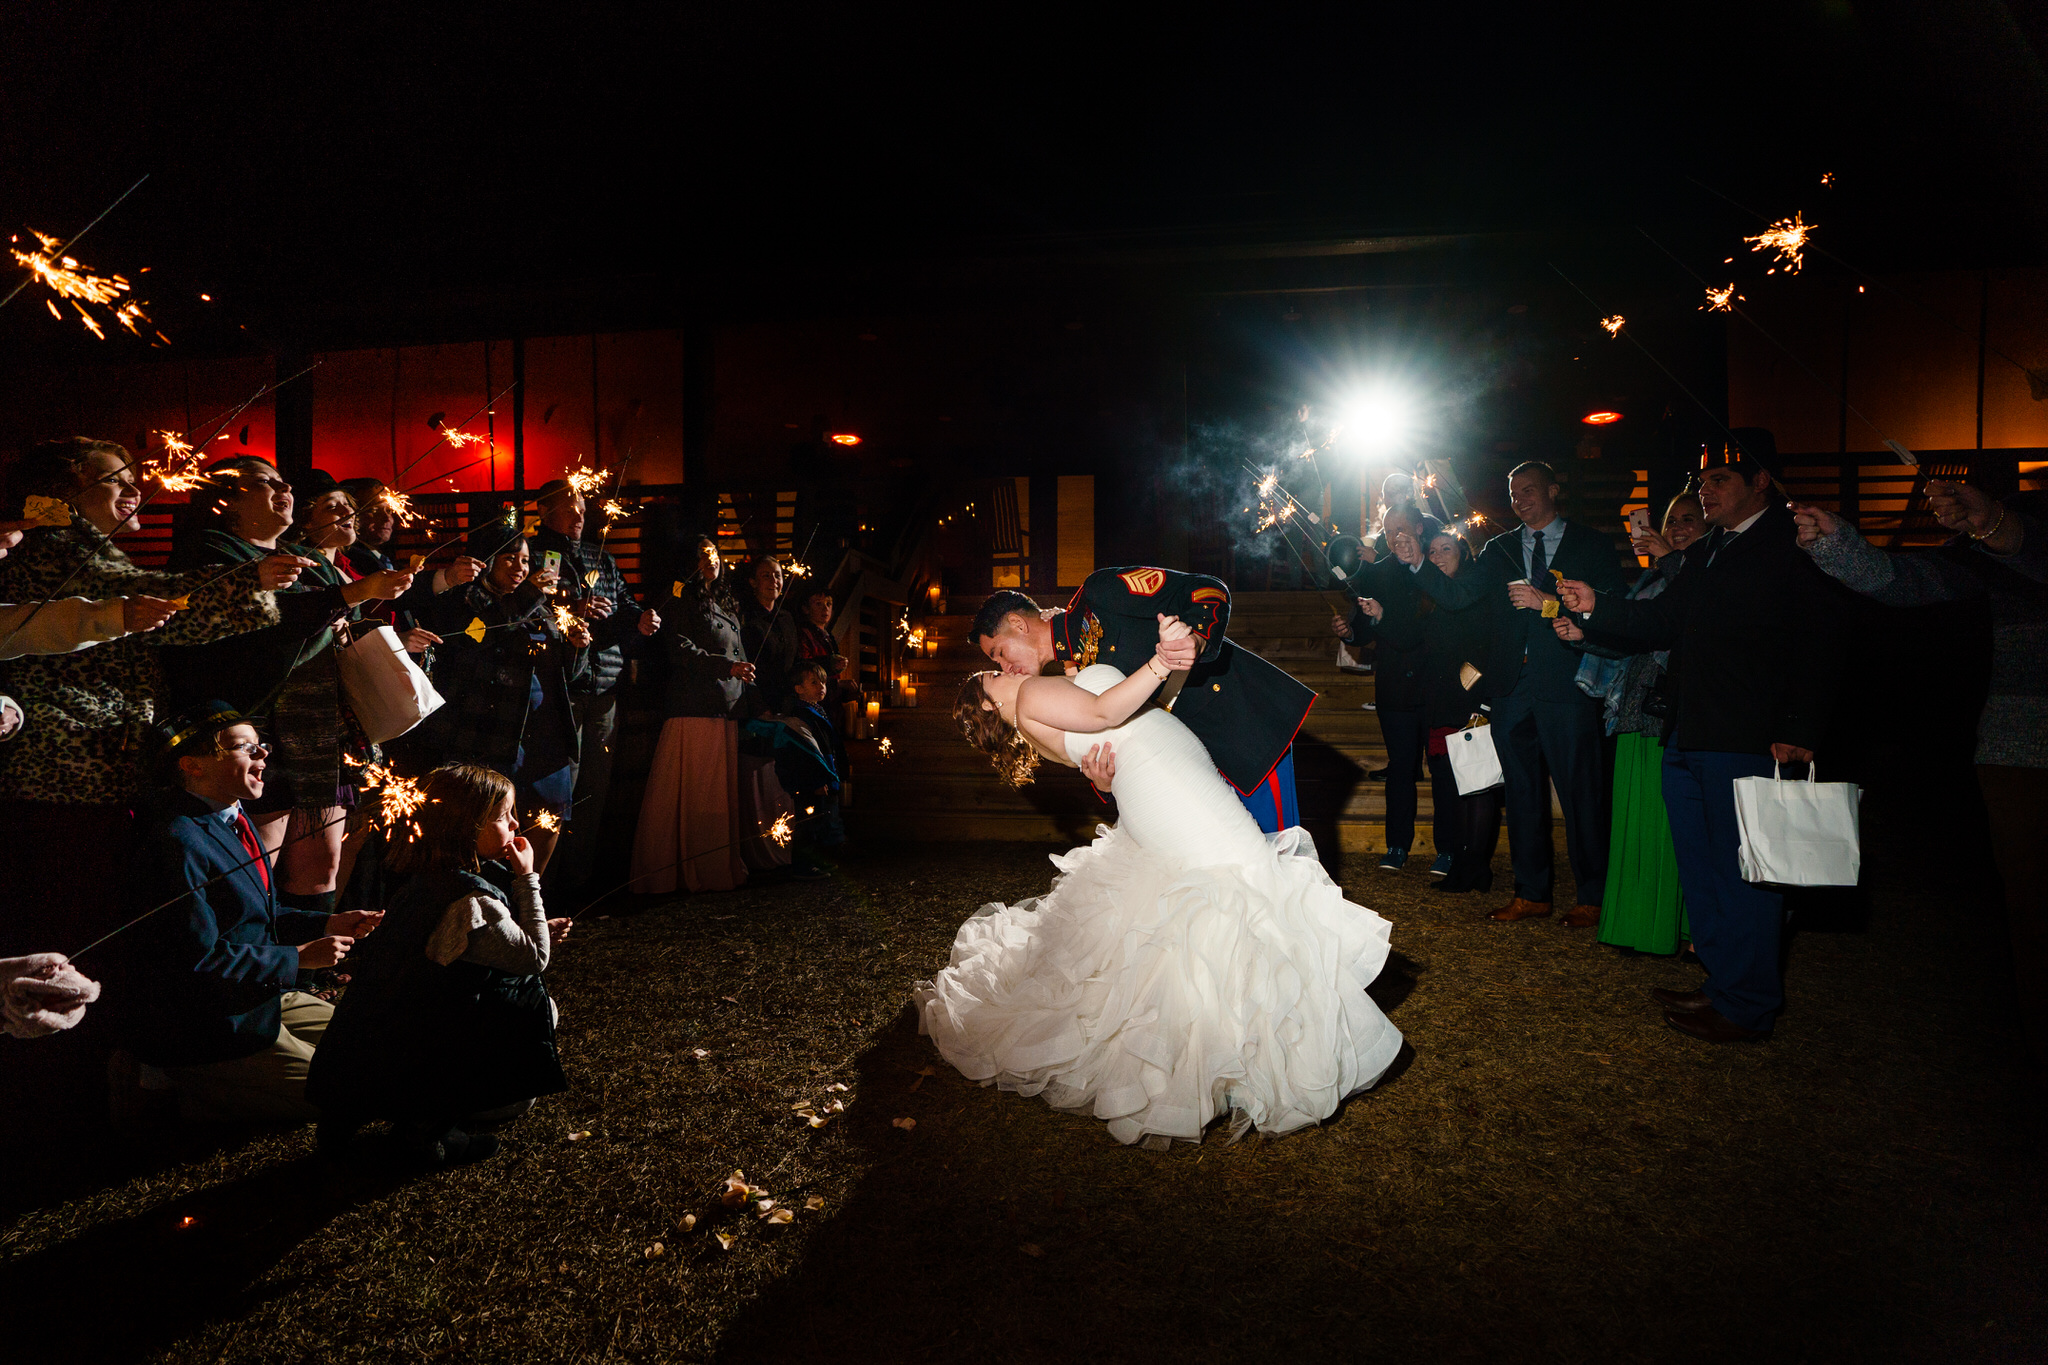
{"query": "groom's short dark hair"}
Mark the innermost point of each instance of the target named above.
(989, 619)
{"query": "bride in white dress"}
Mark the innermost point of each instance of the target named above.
(1184, 964)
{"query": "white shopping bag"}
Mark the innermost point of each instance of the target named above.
(385, 688)
(1798, 833)
(1473, 762)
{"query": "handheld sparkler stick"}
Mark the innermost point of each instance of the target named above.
(767, 630)
(446, 430)
(76, 235)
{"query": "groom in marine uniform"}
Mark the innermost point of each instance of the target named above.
(1243, 709)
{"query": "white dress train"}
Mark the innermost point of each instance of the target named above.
(1182, 965)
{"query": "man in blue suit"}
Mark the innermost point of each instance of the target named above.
(1544, 728)
(214, 973)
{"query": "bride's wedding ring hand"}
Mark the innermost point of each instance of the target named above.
(1178, 647)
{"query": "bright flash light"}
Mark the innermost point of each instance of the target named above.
(845, 438)
(1374, 421)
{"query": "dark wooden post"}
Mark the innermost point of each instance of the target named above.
(294, 413)
(518, 415)
(700, 368)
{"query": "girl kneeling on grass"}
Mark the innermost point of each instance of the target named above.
(447, 1027)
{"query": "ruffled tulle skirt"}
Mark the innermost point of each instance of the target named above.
(1160, 997)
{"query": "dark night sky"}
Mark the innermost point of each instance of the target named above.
(302, 165)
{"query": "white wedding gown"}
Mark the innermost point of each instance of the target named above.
(1184, 964)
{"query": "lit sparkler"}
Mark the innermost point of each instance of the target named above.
(584, 480)
(779, 832)
(1787, 237)
(614, 510)
(886, 747)
(1268, 484)
(1721, 300)
(1613, 325)
(177, 470)
(76, 284)
(903, 625)
(547, 821)
(400, 798)
(399, 505)
(566, 618)
(457, 438)
(799, 569)
(1827, 177)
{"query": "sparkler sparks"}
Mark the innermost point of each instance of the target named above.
(885, 747)
(177, 470)
(1721, 300)
(584, 480)
(614, 510)
(457, 438)
(779, 832)
(1787, 237)
(1613, 325)
(566, 618)
(547, 821)
(799, 569)
(77, 285)
(400, 798)
(399, 505)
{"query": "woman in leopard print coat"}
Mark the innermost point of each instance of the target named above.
(69, 781)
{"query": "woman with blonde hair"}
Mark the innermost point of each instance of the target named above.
(1182, 966)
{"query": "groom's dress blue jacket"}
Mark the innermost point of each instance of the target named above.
(1243, 709)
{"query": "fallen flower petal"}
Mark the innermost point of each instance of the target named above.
(905, 1124)
(779, 1216)
(765, 1204)
(726, 1239)
(1032, 1249)
(835, 1086)
(689, 1221)
(701, 1054)
(817, 1122)
(578, 1137)
(656, 1250)
(815, 1202)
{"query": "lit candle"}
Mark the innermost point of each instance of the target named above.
(874, 709)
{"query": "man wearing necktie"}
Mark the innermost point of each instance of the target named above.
(213, 974)
(1755, 658)
(1545, 729)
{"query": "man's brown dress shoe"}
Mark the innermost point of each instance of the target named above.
(1686, 1002)
(1583, 917)
(1521, 909)
(1711, 1026)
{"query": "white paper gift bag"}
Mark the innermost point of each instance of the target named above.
(385, 688)
(1473, 762)
(1799, 833)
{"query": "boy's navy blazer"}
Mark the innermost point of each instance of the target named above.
(209, 971)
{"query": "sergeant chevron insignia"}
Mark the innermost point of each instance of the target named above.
(1144, 582)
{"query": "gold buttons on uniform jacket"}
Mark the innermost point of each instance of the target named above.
(1215, 687)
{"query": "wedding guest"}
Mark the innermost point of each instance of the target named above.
(1754, 663)
(369, 552)
(1454, 642)
(214, 976)
(815, 787)
(1391, 616)
(598, 592)
(1999, 556)
(1645, 906)
(505, 669)
(446, 1026)
(768, 632)
(814, 642)
(71, 779)
(690, 817)
(285, 678)
(65, 626)
(1547, 731)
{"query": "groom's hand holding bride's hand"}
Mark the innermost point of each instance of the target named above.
(1178, 647)
(1099, 766)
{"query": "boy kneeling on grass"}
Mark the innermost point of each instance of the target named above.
(446, 1027)
(213, 977)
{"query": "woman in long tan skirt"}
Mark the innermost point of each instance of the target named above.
(691, 823)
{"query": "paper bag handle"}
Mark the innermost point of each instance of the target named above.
(1812, 771)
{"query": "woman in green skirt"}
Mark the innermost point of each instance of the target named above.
(1644, 909)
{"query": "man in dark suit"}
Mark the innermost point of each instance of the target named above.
(1544, 728)
(1755, 660)
(1243, 709)
(213, 974)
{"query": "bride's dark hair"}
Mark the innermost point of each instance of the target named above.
(986, 730)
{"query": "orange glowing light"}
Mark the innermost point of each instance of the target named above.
(1601, 418)
(845, 438)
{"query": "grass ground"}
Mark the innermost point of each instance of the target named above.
(1551, 1175)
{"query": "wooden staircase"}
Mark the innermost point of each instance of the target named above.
(935, 787)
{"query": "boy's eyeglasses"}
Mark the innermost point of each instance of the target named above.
(249, 747)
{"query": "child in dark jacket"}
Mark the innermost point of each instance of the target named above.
(448, 1026)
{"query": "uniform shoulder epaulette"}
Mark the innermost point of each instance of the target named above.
(1209, 595)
